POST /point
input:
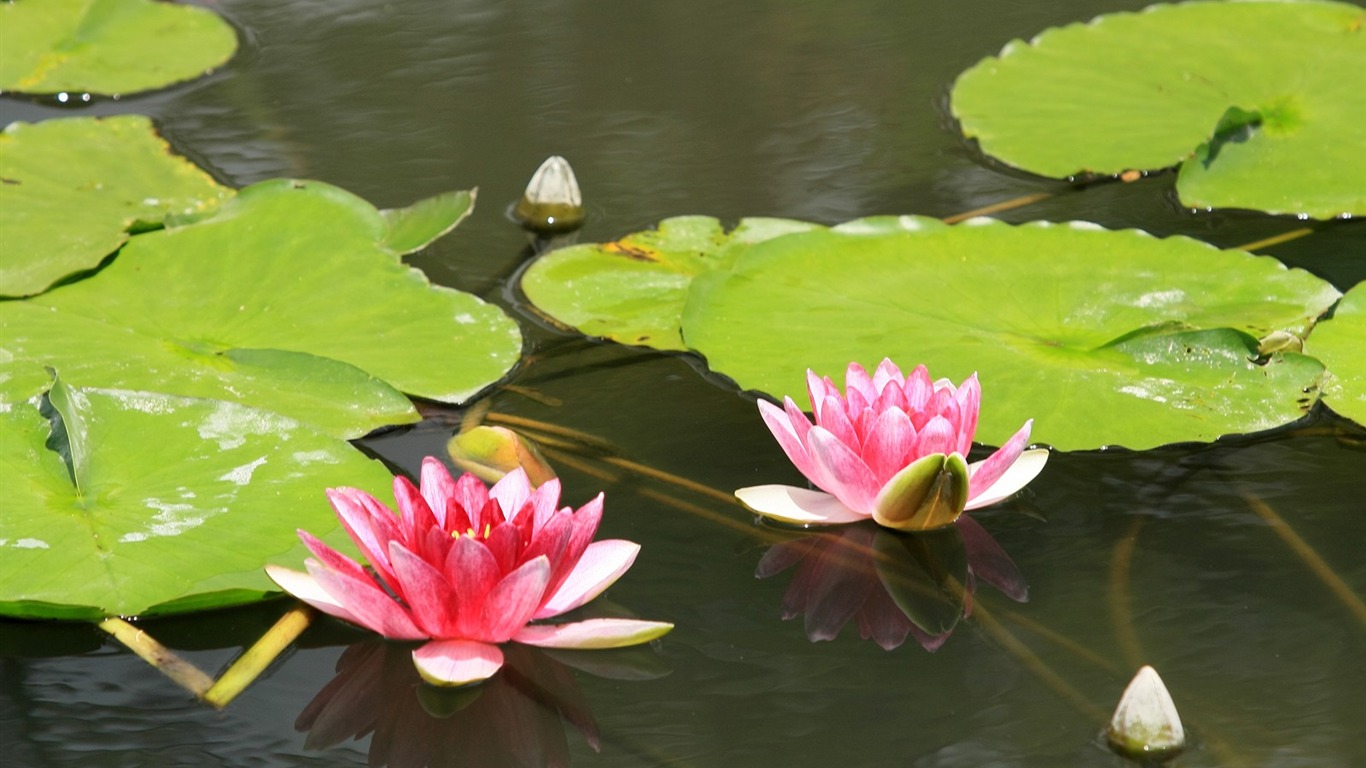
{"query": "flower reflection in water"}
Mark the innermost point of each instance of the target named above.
(891, 584)
(514, 720)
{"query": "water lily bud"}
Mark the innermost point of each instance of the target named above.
(491, 452)
(1279, 341)
(1145, 725)
(552, 201)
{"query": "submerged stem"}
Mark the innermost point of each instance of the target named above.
(1311, 558)
(182, 672)
(1121, 612)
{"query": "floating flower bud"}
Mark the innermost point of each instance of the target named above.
(552, 202)
(491, 452)
(1145, 725)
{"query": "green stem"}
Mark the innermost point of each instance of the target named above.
(251, 664)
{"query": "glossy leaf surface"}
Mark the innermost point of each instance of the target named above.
(108, 46)
(73, 189)
(101, 520)
(1256, 101)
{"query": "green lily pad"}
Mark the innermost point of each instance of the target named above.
(1340, 343)
(632, 291)
(108, 46)
(1252, 99)
(1102, 337)
(244, 305)
(135, 502)
(72, 189)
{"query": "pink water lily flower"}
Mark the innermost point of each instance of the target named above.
(891, 448)
(468, 567)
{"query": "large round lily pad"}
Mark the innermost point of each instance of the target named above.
(291, 297)
(1256, 101)
(135, 502)
(107, 46)
(1102, 337)
(1340, 342)
(72, 189)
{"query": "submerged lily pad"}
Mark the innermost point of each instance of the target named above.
(1340, 343)
(288, 298)
(108, 46)
(1260, 103)
(1103, 337)
(134, 502)
(72, 189)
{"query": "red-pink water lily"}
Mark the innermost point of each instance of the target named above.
(468, 567)
(891, 448)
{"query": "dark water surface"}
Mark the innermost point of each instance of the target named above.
(813, 110)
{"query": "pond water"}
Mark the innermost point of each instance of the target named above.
(811, 110)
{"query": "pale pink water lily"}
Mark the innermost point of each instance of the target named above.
(891, 448)
(468, 567)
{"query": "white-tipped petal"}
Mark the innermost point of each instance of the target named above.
(800, 506)
(1026, 468)
(457, 662)
(593, 633)
(1146, 724)
(602, 563)
(307, 589)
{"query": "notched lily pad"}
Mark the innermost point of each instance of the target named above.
(108, 46)
(1103, 337)
(632, 290)
(72, 189)
(289, 298)
(1253, 100)
(101, 520)
(1340, 342)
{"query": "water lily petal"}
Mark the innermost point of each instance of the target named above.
(365, 529)
(843, 472)
(437, 487)
(969, 397)
(929, 493)
(415, 517)
(544, 501)
(918, 389)
(887, 373)
(457, 662)
(512, 601)
(472, 496)
(370, 606)
(593, 633)
(602, 563)
(890, 442)
(471, 571)
(789, 428)
(431, 601)
(834, 420)
(858, 382)
(1026, 467)
(307, 589)
(331, 557)
(512, 492)
(800, 506)
(938, 435)
(817, 389)
(985, 473)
